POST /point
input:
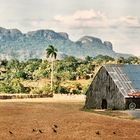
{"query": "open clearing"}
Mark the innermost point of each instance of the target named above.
(22, 116)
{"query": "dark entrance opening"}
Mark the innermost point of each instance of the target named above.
(104, 104)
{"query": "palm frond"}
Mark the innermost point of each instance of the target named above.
(51, 52)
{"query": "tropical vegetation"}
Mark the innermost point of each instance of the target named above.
(70, 75)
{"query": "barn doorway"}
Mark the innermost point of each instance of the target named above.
(104, 104)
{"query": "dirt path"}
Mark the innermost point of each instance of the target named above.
(21, 117)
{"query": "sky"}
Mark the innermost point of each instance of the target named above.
(117, 21)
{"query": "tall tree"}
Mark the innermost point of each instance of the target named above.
(51, 52)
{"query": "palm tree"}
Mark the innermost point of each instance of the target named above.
(51, 52)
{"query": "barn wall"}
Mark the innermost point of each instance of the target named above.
(103, 87)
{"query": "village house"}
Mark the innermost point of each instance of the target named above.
(115, 87)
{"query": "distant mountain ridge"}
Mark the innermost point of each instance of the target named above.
(15, 44)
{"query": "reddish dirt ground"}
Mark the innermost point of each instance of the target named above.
(21, 118)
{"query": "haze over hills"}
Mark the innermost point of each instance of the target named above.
(15, 44)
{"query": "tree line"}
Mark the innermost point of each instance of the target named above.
(61, 74)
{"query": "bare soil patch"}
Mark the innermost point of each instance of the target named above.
(35, 120)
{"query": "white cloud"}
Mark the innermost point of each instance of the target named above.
(115, 20)
(83, 19)
(93, 19)
(130, 21)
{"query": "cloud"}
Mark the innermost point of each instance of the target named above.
(25, 24)
(93, 19)
(130, 21)
(83, 19)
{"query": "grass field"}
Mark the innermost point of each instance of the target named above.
(34, 119)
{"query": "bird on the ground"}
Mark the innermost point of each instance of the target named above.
(55, 126)
(114, 132)
(54, 130)
(10, 132)
(98, 133)
(40, 131)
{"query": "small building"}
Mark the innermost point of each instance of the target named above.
(115, 87)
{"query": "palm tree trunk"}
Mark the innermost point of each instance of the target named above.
(52, 77)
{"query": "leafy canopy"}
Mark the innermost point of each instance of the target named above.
(51, 52)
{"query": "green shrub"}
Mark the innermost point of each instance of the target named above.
(63, 90)
(43, 90)
(17, 86)
(84, 90)
(13, 86)
(21, 74)
(6, 88)
(36, 91)
(76, 91)
(46, 89)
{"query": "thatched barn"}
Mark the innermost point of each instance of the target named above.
(115, 87)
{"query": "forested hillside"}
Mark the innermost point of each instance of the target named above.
(23, 46)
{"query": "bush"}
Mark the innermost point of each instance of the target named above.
(78, 86)
(85, 88)
(17, 86)
(21, 74)
(40, 73)
(36, 91)
(76, 91)
(13, 86)
(6, 88)
(46, 89)
(43, 90)
(62, 90)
